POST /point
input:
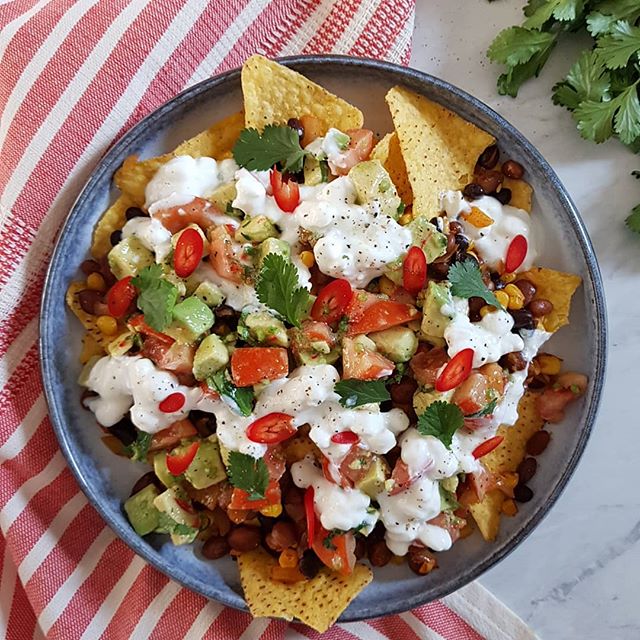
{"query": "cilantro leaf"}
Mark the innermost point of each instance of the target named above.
(183, 530)
(249, 474)
(138, 449)
(627, 118)
(157, 297)
(633, 219)
(516, 45)
(466, 282)
(510, 82)
(587, 80)
(354, 393)
(619, 45)
(487, 410)
(242, 397)
(276, 144)
(538, 13)
(609, 12)
(441, 420)
(278, 288)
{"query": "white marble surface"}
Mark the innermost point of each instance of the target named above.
(576, 576)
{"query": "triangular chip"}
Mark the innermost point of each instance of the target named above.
(440, 149)
(88, 320)
(388, 152)
(507, 457)
(273, 94)
(557, 287)
(113, 218)
(317, 602)
(521, 193)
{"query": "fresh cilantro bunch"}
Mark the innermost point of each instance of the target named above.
(601, 88)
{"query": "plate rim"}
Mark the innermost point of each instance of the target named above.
(400, 73)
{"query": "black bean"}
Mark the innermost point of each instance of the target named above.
(134, 212)
(523, 319)
(522, 493)
(438, 270)
(540, 307)
(473, 191)
(455, 227)
(475, 304)
(115, 237)
(204, 422)
(309, 564)
(89, 266)
(88, 299)
(503, 196)
(513, 169)
(527, 469)
(513, 361)
(497, 282)
(462, 242)
(295, 124)
(462, 256)
(489, 157)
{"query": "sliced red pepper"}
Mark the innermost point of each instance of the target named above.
(456, 371)
(188, 252)
(285, 190)
(310, 513)
(332, 301)
(516, 253)
(138, 324)
(172, 403)
(178, 463)
(120, 297)
(414, 270)
(487, 447)
(271, 429)
(345, 437)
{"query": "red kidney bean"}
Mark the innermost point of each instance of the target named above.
(282, 536)
(540, 307)
(379, 554)
(489, 157)
(513, 361)
(361, 548)
(455, 227)
(528, 289)
(522, 493)
(89, 266)
(243, 538)
(215, 547)
(527, 469)
(402, 392)
(513, 169)
(489, 180)
(538, 442)
(473, 191)
(421, 560)
(89, 300)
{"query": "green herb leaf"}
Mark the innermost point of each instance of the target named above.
(157, 297)
(441, 420)
(587, 80)
(633, 219)
(516, 45)
(249, 474)
(539, 12)
(510, 82)
(138, 449)
(487, 410)
(619, 45)
(354, 393)
(611, 11)
(183, 530)
(276, 144)
(242, 397)
(466, 282)
(278, 288)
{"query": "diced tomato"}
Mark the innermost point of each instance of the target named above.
(222, 257)
(516, 253)
(120, 297)
(177, 357)
(414, 270)
(274, 458)
(198, 211)
(138, 325)
(310, 515)
(456, 371)
(383, 315)
(551, 403)
(487, 447)
(359, 303)
(285, 191)
(251, 365)
(271, 429)
(172, 435)
(172, 403)
(332, 301)
(308, 337)
(332, 474)
(188, 252)
(426, 364)
(471, 396)
(356, 465)
(177, 463)
(335, 551)
(402, 480)
(475, 424)
(452, 524)
(361, 364)
(360, 146)
(240, 498)
(399, 294)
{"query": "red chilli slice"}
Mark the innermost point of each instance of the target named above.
(414, 270)
(456, 371)
(345, 437)
(516, 253)
(271, 429)
(173, 402)
(178, 464)
(188, 252)
(310, 514)
(487, 446)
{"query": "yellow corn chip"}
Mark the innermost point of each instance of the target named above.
(506, 457)
(440, 149)
(521, 193)
(134, 175)
(88, 320)
(388, 152)
(273, 94)
(317, 602)
(90, 348)
(113, 218)
(557, 287)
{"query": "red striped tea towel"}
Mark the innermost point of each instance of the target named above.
(74, 75)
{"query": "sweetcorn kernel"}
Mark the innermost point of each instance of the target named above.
(516, 297)
(307, 258)
(288, 559)
(272, 511)
(96, 282)
(508, 277)
(509, 507)
(502, 297)
(107, 325)
(405, 219)
(486, 309)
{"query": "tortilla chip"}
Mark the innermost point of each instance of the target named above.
(273, 94)
(440, 149)
(521, 193)
(557, 287)
(133, 176)
(388, 152)
(113, 218)
(507, 457)
(317, 602)
(90, 348)
(88, 320)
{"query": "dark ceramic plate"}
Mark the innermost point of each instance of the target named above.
(107, 479)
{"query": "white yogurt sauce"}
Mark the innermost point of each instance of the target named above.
(152, 234)
(427, 455)
(183, 178)
(491, 338)
(133, 383)
(337, 508)
(237, 295)
(252, 197)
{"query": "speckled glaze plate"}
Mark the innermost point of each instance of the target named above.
(107, 479)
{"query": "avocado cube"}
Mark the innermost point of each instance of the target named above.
(141, 511)
(373, 185)
(206, 469)
(266, 329)
(161, 471)
(372, 483)
(428, 238)
(434, 322)
(397, 343)
(209, 293)
(129, 257)
(172, 514)
(211, 356)
(274, 245)
(194, 314)
(223, 195)
(315, 171)
(255, 229)
(425, 397)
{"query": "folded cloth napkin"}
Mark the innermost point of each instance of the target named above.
(74, 75)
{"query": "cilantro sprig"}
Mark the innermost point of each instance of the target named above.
(279, 289)
(157, 297)
(441, 420)
(242, 397)
(139, 448)
(249, 474)
(355, 393)
(466, 282)
(276, 144)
